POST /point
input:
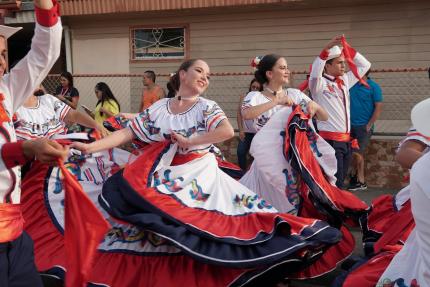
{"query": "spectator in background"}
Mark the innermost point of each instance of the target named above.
(246, 130)
(107, 105)
(366, 106)
(66, 92)
(151, 92)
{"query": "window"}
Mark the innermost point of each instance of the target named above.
(158, 43)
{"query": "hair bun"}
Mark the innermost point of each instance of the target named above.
(255, 62)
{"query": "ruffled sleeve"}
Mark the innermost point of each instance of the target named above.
(250, 100)
(213, 115)
(60, 108)
(143, 126)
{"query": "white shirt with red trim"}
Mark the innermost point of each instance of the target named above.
(42, 121)
(17, 85)
(256, 98)
(413, 134)
(157, 122)
(334, 97)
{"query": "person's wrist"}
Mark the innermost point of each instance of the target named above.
(191, 141)
(28, 149)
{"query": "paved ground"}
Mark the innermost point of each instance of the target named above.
(326, 280)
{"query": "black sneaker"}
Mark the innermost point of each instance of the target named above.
(357, 186)
(353, 180)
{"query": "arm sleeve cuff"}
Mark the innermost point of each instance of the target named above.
(13, 154)
(48, 18)
(324, 54)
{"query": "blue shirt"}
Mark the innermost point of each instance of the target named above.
(363, 102)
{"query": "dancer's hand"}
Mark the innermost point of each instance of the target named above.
(182, 141)
(333, 42)
(129, 116)
(241, 135)
(312, 108)
(283, 99)
(45, 151)
(83, 147)
(102, 130)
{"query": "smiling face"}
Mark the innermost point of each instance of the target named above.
(3, 55)
(336, 67)
(196, 78)
(279, 73)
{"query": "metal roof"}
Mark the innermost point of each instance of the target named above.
(91, 7)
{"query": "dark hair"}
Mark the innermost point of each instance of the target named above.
(174, 80)
(330, 61)
(252, 82)
(171, 92)
(266, 64)
(69, 78)
(106, 94)
(151, 75)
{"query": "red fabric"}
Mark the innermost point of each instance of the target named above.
(355, 144)
(398, 225)
(48, 240)
(226, 164)
(84, 228)
(335, 136)
(341, 199)
(324, 54)
(13, 154)
(122, 269)
(330, 259)
(48, 18)
(4, 115)
(368, 274)
(349, 53)
(11, 223)
(382, 211)
(340, 83)
(184, 158)
(243, 227)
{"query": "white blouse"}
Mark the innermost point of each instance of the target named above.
(156, 123)
(44, 120)
(256, 98)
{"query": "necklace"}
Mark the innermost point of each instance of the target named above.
(179, 98)
(272, 91)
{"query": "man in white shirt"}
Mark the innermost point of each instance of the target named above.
(16, 248)
(329, 86)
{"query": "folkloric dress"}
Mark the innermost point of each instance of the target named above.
(44, 120)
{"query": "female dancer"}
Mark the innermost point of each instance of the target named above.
(259, 106)
(43, 115)
(178, 192)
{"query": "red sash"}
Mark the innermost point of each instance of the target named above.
(335, 136)
(11, 222)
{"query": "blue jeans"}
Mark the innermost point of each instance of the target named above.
(243, 149)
